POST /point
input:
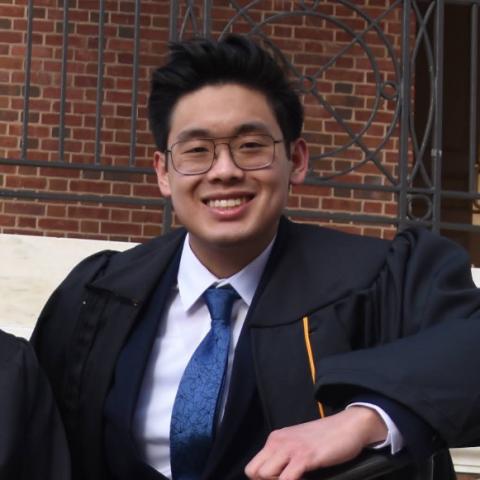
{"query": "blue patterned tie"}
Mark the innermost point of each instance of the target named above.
(199, 393)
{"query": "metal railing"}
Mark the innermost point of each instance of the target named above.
(412, 181)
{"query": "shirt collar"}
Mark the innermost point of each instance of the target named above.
(194, 278)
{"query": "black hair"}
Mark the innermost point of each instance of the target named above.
(196, 63)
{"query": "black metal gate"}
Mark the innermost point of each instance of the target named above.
(387, 144)
(417, 183)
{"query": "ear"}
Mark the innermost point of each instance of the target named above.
(160, 166)
(299, 157)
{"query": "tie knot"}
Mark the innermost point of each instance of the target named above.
(220, 302)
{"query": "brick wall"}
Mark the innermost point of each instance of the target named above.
(82, 219)
(347, 86)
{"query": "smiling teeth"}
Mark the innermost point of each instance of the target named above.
(226, 203)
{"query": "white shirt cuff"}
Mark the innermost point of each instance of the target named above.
(394, 438)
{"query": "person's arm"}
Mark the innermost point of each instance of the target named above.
(426, 321)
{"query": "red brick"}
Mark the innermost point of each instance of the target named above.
(372, 207)
(124, 177)
(146, 217)
(293, 201)
(80, 108)
(311, 190)
(24, 208)
(391, 209)
(59, 172)
(7, 220)
(341, 204)
(27, 222)
(11, 37)
(309, 202)
(56, 211)
(90, 187)
(57, 185)
(8, 142)
(120, 228)
(146, 191)
(34, 183)
(92, 174)
(58, 224)
(121, 189)
(120, 215)
(88, 212)
(9, 116)
(85, 81)
(88, 226)
(27, 170)
(9, 11)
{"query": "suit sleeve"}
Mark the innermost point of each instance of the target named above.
(32, 439)
(416, 339)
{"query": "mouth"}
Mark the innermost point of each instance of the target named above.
(227, 203)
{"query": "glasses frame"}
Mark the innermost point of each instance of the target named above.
(214, 157)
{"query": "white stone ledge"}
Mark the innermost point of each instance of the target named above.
(31, 268)
(466, 460)
(476, 276)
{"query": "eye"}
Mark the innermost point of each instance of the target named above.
(248, 145)
(252, 143)
(196, 150)
(194, 147)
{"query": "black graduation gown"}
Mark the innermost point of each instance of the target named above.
(397, 318)
(32, 439)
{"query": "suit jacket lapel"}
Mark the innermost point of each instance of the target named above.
(133, 358)
(122, 398)
(113, 306)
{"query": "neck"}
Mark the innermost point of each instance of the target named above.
(225, 261)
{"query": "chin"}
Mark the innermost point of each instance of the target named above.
(228, 241)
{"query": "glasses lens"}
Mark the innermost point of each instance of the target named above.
(193, 156)
(252, 151)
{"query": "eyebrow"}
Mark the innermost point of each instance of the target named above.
(251, 127)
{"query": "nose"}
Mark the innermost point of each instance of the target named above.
(224, 166)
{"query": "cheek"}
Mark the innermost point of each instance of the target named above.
(181, 191)
(280, 183)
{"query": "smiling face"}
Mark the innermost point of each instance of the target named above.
(231, 214)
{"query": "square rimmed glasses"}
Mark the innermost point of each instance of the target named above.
(248, 151)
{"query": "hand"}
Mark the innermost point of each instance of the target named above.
(293, 451)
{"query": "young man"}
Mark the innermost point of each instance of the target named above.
(32, 439)
(381, 333)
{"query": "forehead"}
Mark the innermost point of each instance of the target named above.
(221, 110)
